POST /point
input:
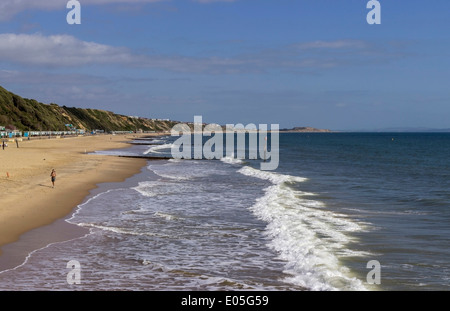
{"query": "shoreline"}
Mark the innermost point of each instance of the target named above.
(28, 200)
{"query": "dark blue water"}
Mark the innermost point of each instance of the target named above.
(399, 184)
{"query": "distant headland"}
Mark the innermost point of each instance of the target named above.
(305, 130)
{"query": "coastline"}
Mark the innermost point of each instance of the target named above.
(28, 199)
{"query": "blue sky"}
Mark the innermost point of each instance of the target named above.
(291, 62)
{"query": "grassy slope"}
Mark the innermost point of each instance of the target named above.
(28, 114)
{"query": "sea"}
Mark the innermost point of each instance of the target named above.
(342, 212)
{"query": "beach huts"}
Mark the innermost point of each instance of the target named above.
(6, 133)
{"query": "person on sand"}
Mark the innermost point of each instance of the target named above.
(53, 176)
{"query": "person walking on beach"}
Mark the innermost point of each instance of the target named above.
(3, 145)
(53, 176)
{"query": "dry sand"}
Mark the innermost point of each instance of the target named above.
(27, 198)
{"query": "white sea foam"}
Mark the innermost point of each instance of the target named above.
(183, 170)
(275, 178)
(231, 160)
(158, 189)
(156, 148)
(175, 160)
(199, 280)
(119, 230)
(146, 188)
(80, 206)
(168, 173)
(166, 216)
(304, 234)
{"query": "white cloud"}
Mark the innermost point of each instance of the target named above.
(337, 44)
(67, 51)
(58, 50)
(44, 78)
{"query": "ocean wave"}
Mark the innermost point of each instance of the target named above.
(151, 189)
(231, 160)
(166, 216)
(120, 230)
(275, 178)
(183, 170)
(146, 188)
(169, 173)
(80, 206)
(305, 235)
(193, 279)
(175, 160)
(154, 149)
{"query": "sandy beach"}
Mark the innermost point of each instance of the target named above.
(28, 200)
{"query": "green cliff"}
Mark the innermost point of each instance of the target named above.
(28, 114)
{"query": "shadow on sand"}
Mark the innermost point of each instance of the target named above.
(45, 186)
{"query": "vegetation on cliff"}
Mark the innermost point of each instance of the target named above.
(30, 115)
